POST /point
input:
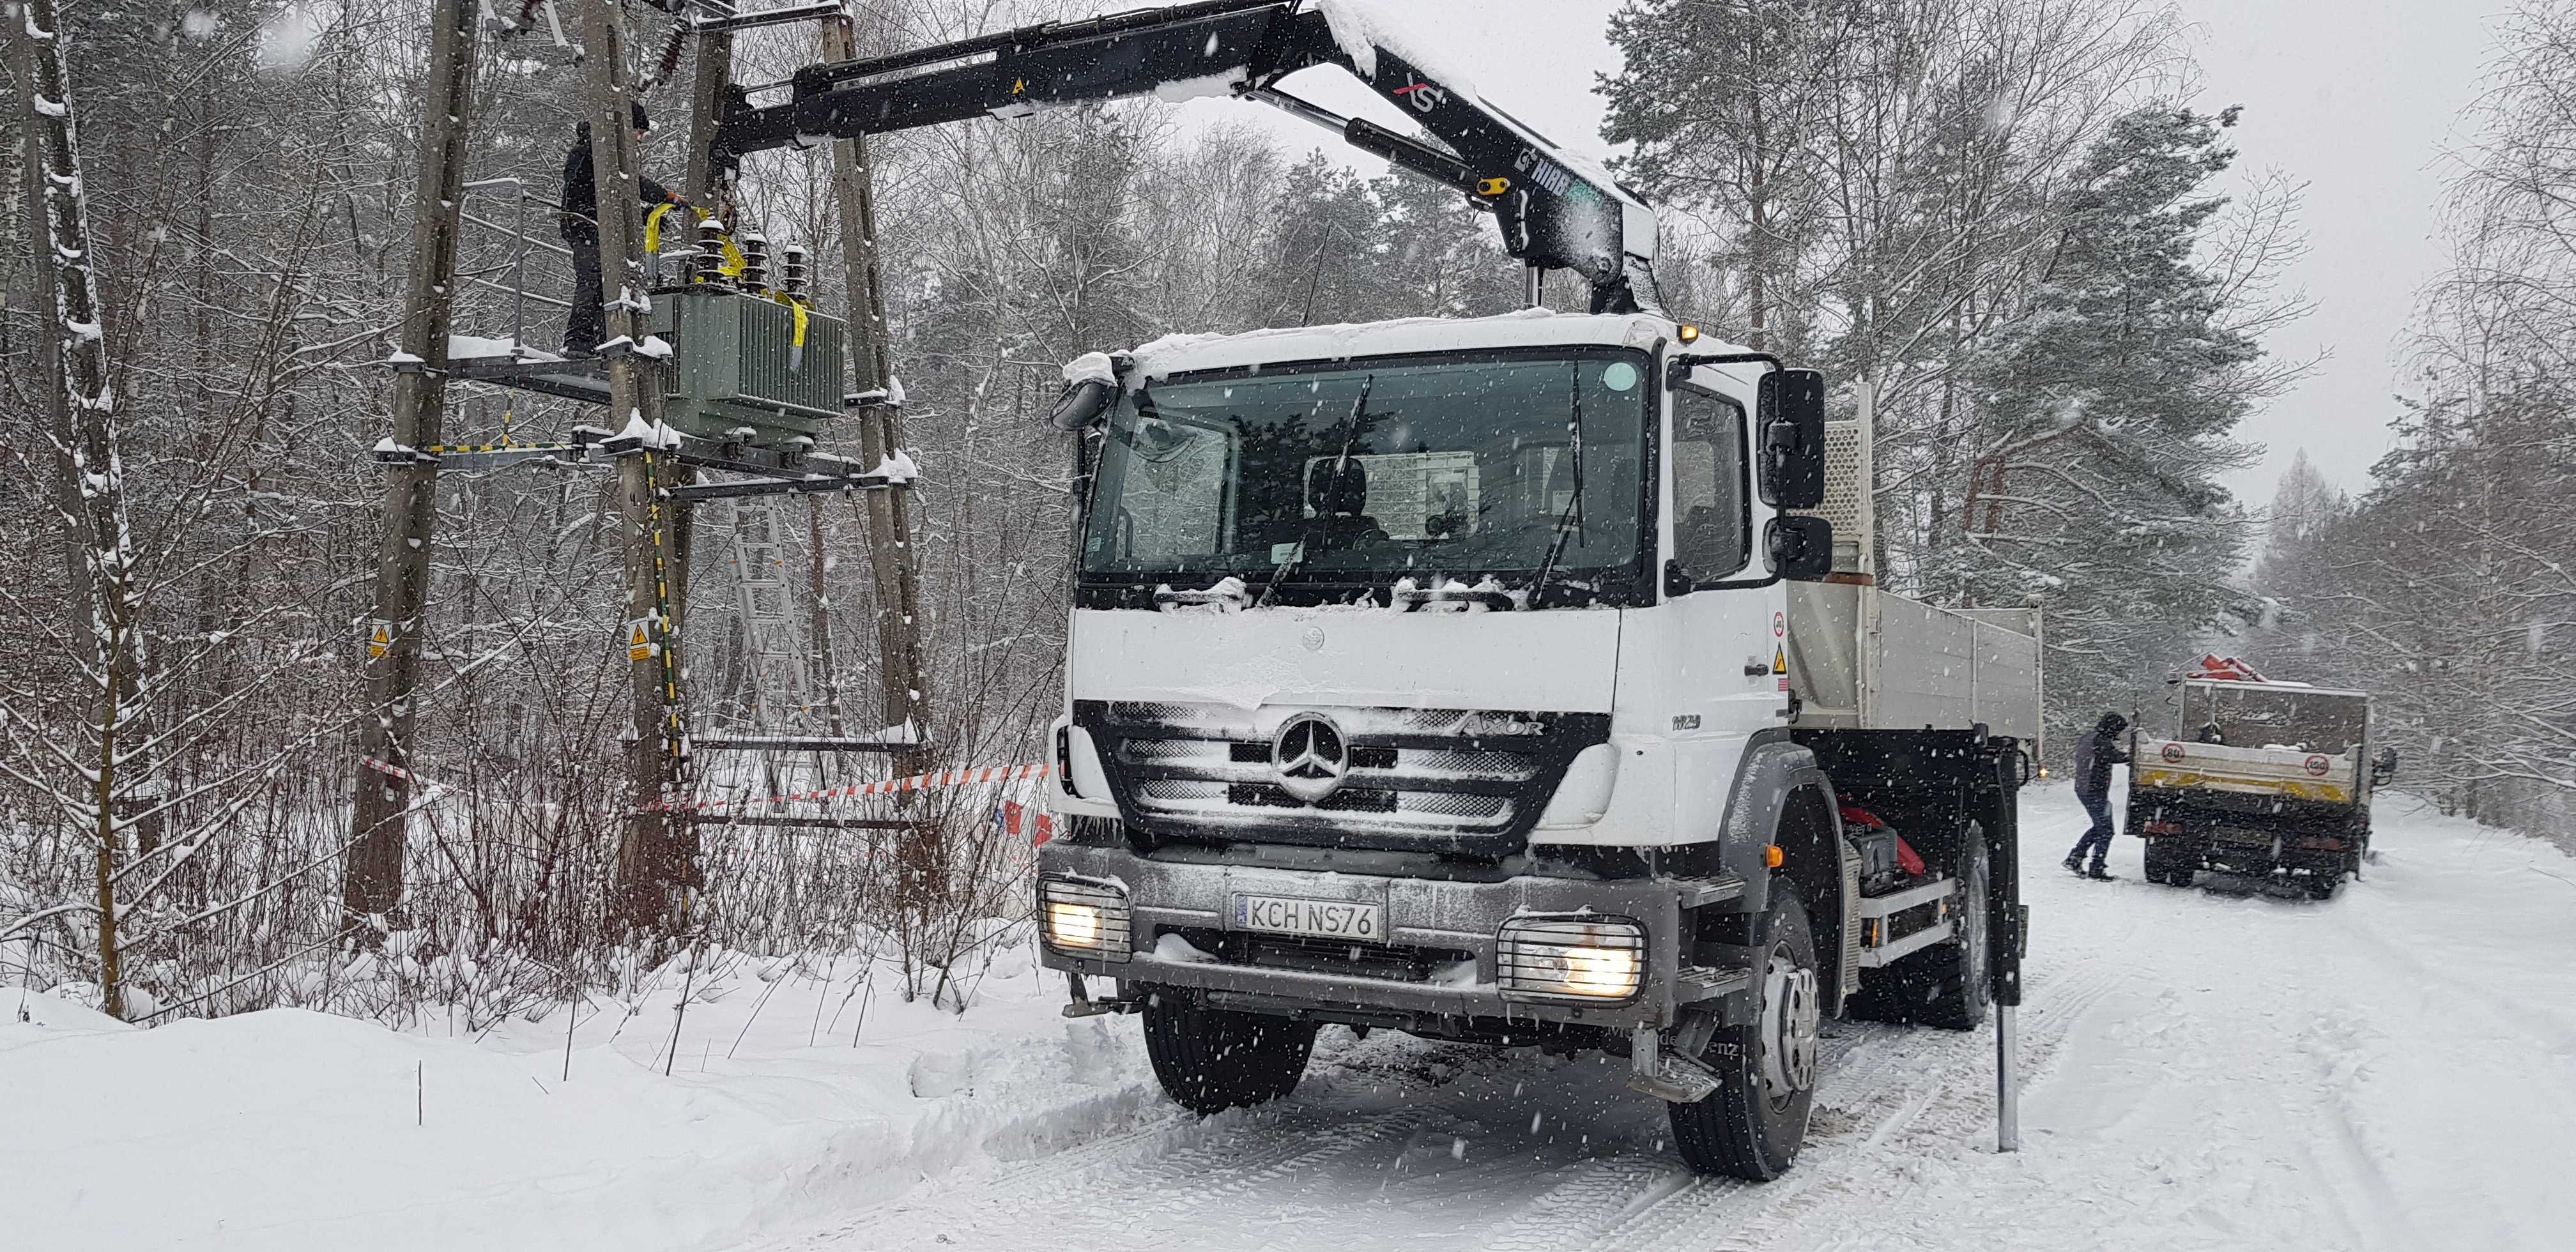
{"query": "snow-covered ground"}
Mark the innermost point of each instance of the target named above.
(2392, 1069)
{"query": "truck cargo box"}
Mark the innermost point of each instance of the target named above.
(1861, 658)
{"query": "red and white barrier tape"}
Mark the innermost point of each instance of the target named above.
(388, 767)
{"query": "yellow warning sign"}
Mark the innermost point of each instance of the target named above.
(639, 640)
(1779, 660)
(380, 638)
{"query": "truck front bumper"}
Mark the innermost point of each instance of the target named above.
(1166, 897)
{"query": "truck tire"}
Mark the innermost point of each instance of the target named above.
(2171, 862)
(1956, 976)
(1752, 1126)
(1210, 1060)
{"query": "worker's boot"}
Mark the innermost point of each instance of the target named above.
(2100, 874)
(2075, 865)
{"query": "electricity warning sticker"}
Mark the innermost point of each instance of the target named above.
(380, 638)
(639, 640)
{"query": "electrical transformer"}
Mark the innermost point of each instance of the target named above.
(737, 365)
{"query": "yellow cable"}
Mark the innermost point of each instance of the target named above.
(653, 229)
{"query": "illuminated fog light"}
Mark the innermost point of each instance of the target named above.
(1084, 917)
(1570, 958)
(1074, 925)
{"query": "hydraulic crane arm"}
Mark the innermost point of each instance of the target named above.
(1556, 211)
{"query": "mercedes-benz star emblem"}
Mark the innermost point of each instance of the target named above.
(1309, 756)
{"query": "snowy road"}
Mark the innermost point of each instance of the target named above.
(2394, 1069)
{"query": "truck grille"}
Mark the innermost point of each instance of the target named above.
(1458, 780)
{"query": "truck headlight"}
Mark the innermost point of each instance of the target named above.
(1084, 917)
(1570, 958)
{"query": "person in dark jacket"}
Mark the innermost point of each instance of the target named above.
(586, 325)
(2094, 757)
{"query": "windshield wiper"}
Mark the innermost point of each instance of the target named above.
(1311, 534)
(1569, 522)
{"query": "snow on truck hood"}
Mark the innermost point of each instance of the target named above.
(1558, 660)
(1527, 328)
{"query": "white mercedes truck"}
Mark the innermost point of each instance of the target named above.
(1517, 680)
(1479, 679)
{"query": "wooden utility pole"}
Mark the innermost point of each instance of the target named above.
(892, 563)
(372, 885)
(656, 863)
(713, 74)
(89, 441)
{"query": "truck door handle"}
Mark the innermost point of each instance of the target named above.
(1756, 667)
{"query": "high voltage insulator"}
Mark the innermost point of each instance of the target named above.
(795, 269)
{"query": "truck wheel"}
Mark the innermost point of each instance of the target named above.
(2169, 864)
(1956, 973)
(2322, 886)
(1752, 1126)
(1210, 1060)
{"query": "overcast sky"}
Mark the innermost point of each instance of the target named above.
(2356, 97)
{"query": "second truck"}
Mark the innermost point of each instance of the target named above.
(2260, 779)
(1517, 680)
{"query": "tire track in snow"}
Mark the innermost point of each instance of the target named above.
(1929, 1069)
(1617, 1193)
(1178, 1164)
(1149, 1181)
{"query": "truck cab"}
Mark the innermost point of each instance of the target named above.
(1438, 676)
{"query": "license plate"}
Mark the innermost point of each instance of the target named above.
(1329, 919)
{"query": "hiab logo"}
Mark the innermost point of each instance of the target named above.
(1310, 757)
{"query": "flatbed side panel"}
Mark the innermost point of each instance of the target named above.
(1862, 659)
(2176, 765)
(2007, 680)
(1926, 667)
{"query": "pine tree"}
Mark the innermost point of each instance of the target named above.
(1722, 102)
(2109, 407)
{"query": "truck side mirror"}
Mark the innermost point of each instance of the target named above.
(1801, 548)
(2383, 765)
(1790, 414)
(1082, 404)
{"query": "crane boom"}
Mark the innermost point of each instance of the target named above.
(1556, 210)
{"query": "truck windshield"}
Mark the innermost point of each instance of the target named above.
(1457, 465)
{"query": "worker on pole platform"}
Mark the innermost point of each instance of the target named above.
(584, 326)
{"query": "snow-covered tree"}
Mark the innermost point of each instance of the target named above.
(2111, 400)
